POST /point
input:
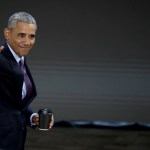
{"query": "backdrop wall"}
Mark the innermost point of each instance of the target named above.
(91, 60)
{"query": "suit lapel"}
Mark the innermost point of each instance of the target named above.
(19, 77)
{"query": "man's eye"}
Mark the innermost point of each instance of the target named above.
(32, 36)
(21, 35)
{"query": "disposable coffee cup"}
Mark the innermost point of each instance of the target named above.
(44, 118)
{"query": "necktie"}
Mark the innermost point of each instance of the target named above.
(26, 79)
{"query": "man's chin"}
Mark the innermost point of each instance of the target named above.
(23, 54)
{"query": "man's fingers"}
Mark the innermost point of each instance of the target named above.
(1, 48)
(51, 122)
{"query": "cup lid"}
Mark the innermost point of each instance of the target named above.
(45, 110)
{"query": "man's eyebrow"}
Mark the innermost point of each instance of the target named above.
(21, 33)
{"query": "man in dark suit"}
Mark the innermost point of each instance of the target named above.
(15, 95)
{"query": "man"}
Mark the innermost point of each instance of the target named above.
(15, 93)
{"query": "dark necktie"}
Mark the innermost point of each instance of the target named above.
(26, 79)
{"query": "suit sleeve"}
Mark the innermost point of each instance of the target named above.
(28, 113)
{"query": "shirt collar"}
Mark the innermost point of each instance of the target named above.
(17, 58)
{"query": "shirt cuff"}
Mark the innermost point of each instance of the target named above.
(31, 118)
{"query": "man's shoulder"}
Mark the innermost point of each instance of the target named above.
(2, 56)
(3, 61)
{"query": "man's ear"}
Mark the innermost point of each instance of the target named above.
(6, 33)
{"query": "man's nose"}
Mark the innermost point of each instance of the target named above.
(27, 41)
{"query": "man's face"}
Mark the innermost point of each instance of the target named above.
(21, 38)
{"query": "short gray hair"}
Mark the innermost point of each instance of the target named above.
(20, 17)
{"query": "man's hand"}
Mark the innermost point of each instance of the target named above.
(1, 48)
(35, 119)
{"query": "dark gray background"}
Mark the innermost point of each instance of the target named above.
(91, 60)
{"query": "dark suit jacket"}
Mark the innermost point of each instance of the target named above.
(14, 112)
